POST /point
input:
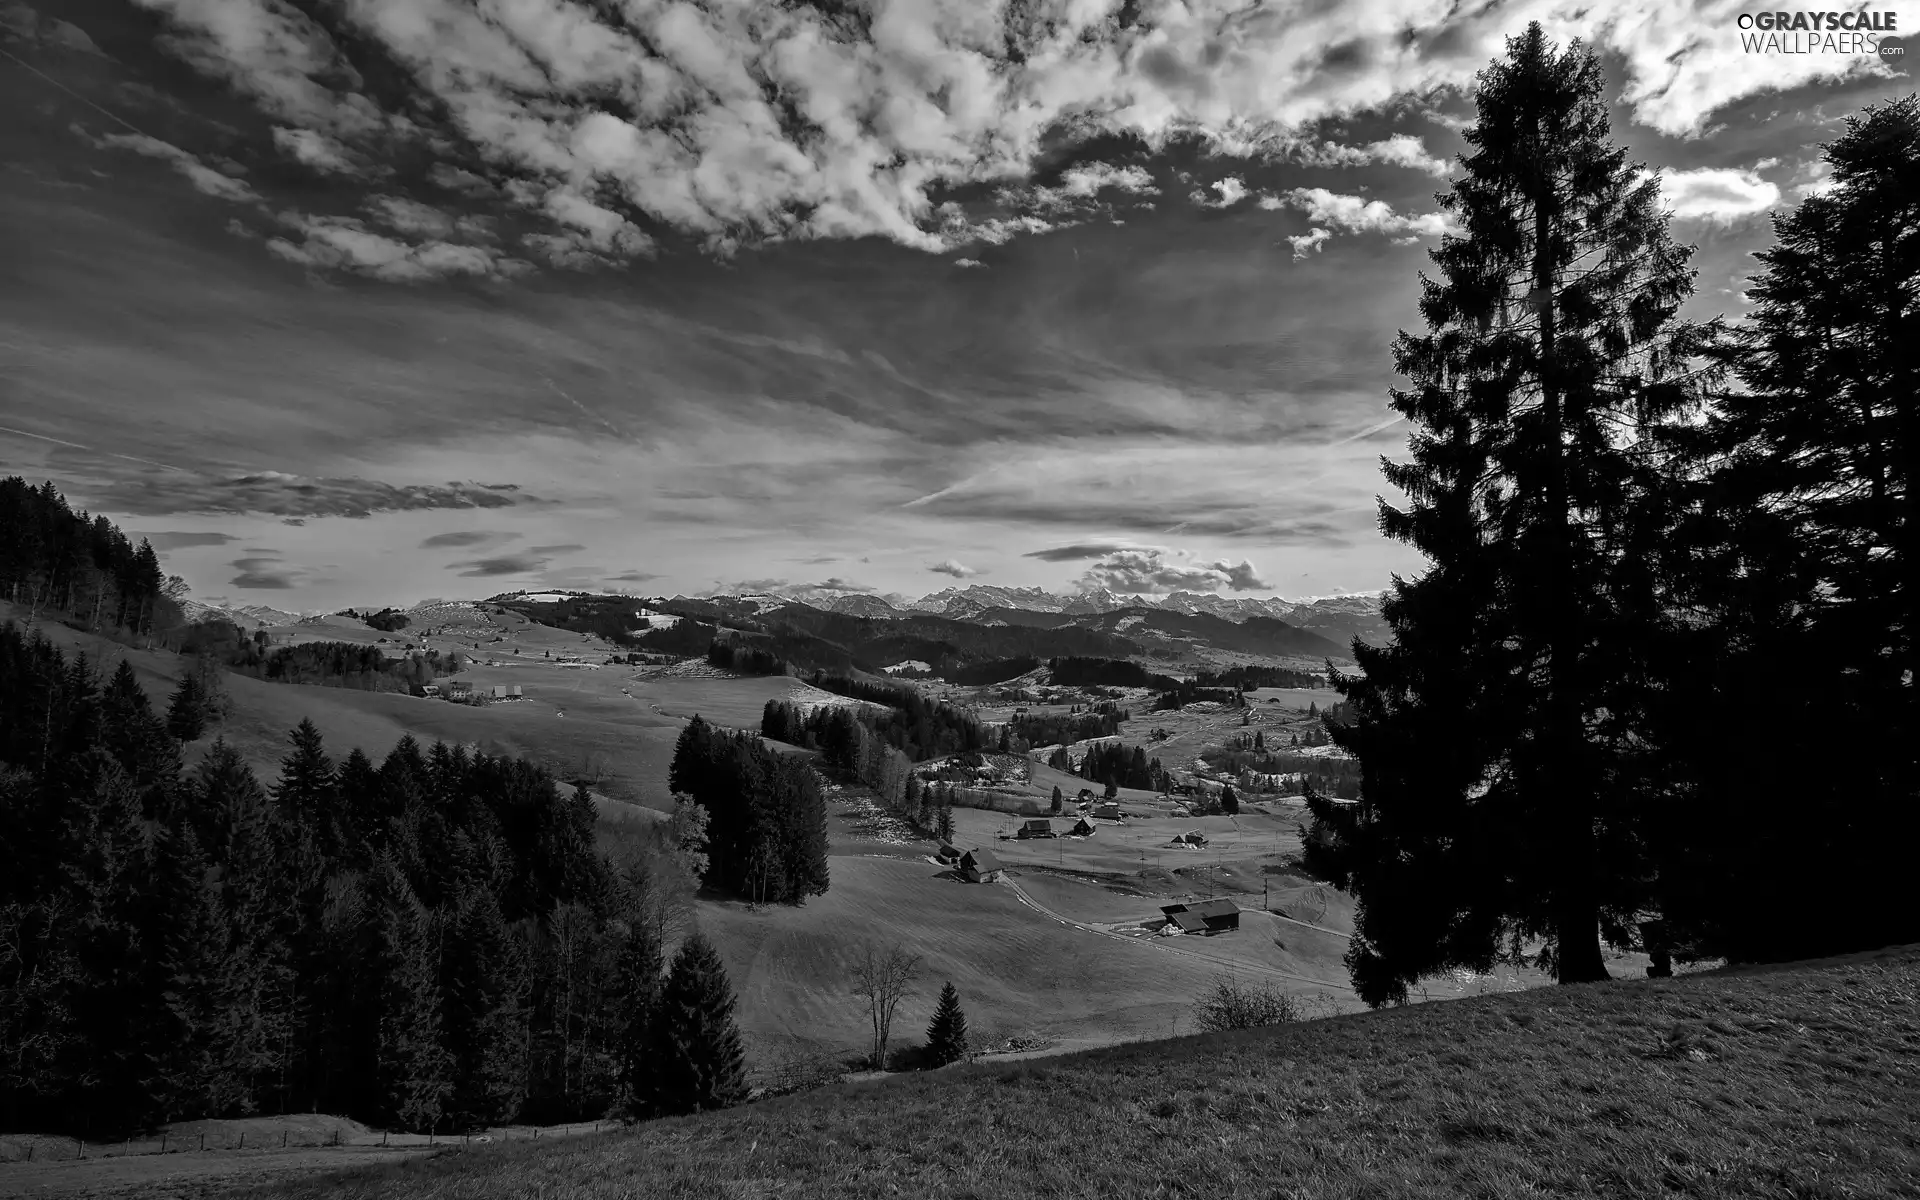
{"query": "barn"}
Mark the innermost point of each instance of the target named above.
(1082, 828)
(1110, 811)
(980, 866)
(1037, 827)
(1207, 917)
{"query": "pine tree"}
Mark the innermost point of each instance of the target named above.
(698, 1053)
(641, 983)
(1059, 802)
(1229, 801)
(947, 1035)
(186, 711)
(1551, 361)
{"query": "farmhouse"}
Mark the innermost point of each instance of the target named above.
(1110, 811)
(1082, 828)
(429, 689)
(460, 692)
(1037, 827)
(1207, 917)
(980, 866)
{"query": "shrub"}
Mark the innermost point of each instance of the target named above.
(1231, 1004)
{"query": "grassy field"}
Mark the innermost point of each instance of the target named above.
(1788, 1082)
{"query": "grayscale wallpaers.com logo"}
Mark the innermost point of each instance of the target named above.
(1801, 32)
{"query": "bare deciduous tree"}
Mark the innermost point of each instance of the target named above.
(881, 976)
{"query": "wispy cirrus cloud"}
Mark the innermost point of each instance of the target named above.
(164, 540)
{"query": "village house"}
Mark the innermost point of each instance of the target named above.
(1037, 827)
(1208, 917)
(1110, 811)
(1082, 828)
(980, 866)
(460, 692)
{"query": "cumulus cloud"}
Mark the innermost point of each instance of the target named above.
(1308, 242)
(1717, 194)
(1399, 150)
(954, 568)
(1155, 571)
(968, 262)
(751, 122)
(275, 493)
(1227, 193)
(1357, 214)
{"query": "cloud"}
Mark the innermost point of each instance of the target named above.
(505, 564)
(166, 539)
(954, 568)
(316, 150)
(461, 539)
(1308, 242)
(968, 262)
(1717, 194)
(1357, 214)
(275, 493)
(1078, 551)
(203, 177)
(737, 124)
(1156, 571)
(262, 570)
(347, 244)
(1399, 150)
(633, 577)
(799, 591)
(564, 548)
(1231, 191)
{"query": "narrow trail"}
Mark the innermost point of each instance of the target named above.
(1162, 943)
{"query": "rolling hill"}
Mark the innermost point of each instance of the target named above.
(1786, 1081)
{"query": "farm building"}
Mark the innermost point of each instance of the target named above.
(1206, 917)
(459, 692)
(1037, 827)
(980, 866)
(948, 853)
(428, 689)
(1192, 837)
(1110, 811)
(1082, 828)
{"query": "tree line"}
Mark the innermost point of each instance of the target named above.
(1654, 544)
(911, 723)
(427, 942)
(1044, 729)
(1072, 671)
(1247, 678)
(53, 559)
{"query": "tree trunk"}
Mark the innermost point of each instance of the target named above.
(1564, 782)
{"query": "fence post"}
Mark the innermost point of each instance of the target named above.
(203, 1141)
(163, 1142)
(79, 1148)
(283, 1139)
(243, 1139)
(383, 1139)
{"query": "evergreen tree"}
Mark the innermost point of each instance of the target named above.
(1229, 801)
(642, 981)
(485, 1014)
(698, 1054)
(1551, 362)
(1059, 801)
(1804, 547)
(186, 711)
(947, 1035)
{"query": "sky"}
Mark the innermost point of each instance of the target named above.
(351, 302)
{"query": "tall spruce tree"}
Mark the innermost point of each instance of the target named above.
(641, 982)
(1806, 549)
(1497, 808)
(186, 711)
(698, 1056)
(947, 1033)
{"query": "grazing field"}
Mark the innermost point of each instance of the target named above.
(1794, 1081)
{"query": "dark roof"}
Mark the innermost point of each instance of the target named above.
(1203, 909)
(981, 859)
(1188, 922)
(1032, 822)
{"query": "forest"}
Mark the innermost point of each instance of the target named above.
(767, 819)
(917, 727)
(53, 559)
(431, 941)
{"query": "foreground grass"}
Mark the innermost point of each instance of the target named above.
(1798, 1082)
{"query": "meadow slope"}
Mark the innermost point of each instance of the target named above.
(1794, 1081)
